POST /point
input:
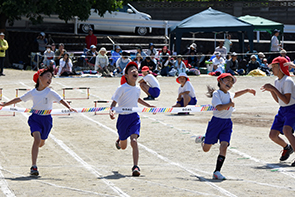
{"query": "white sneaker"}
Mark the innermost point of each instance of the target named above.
(200, 139)
(218, 175)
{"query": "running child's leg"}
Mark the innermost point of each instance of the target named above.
(206, 147)
(135, 153)
(274, 136)
(123, 144)
(287, 130)
(145, 87)
(42, 143)
(186, 99)
(221, 156)
(35, 147)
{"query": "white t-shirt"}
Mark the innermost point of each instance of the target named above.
(221, 50)
(227, 44)
(127, 96)
(219, 61)
(151, 80)
(286, 86)
(42, 100)
(275, 44)
(187, 87)
(221, 98)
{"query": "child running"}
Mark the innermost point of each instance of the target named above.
(128, 123)
(149, 84)
(40, 125)
(186, 92)
(283, 92)
(220, 126)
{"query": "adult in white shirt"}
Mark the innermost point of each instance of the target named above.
(149, 84)
(65, 66)
(221, 49)
(227, 43)
(275, 45)
(218, 63)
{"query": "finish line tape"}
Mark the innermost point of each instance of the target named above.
(197, 108)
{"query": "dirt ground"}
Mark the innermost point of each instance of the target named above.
(80, 158)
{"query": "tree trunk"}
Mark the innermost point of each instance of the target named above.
(3, 19)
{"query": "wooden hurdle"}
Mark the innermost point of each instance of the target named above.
(100, 101)
(80, 88)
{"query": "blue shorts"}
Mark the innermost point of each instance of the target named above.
(42, 124)
(127, 125)
(154, 92)
(285, 116)
(193, 101)
(218, 129)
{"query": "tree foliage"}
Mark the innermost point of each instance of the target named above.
(11, 10)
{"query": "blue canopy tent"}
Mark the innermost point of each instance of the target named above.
(211, 20)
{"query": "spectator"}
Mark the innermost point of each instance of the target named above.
(179, 65)
(248, 53)
(115, 55)
(151, 50)
(48, 55)
(139, 51)
(221, 49)
(3, 48)
(91, 39)
(164, 54)
(102, 62)
(284, 54)
(59, 53)
(122, 62)
(193, 59)
(232, 65)
(167, 66)
(149, 63)
(264, 67)
(65, 66)
(228, 43)
(153, 58)
(42, 42)
(260, 58)
(138, 60)
(218, 63)
(275, 45)
(91, 54)
(53, 47)
(253, 63)
(191, 48)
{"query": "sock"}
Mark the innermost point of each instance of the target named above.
(220, 160)
(287, 147)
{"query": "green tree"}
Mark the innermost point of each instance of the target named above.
(11, 10)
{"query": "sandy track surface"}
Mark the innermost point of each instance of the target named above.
(80, 159)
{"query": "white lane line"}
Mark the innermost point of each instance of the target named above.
(54, 185)
(4, 185)
(85, 164)
(227, 193)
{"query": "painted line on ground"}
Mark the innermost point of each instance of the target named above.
(4, 185)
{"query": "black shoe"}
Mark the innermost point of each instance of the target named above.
(135, 171)
(117, 144)
(293, 164)
(149, 98)
(2, 74)
(286, 153)
(34, 171)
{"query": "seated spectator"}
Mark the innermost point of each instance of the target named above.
(115, 55)
(264, 67)
(149, 63)
(122, 62)
(138, 60)
(91, 54)
(221, 49)
(247, 56)
(193, 59)
(48, 55)
(151, 50)
(152, 55)
(260, 58)
(191, 48)
(218, 64)
(65, 66)
(91, 39)
(167, 66)
(163, 55)
(102, 62)
(139, 51)
(59, 53)
(253, 64)
(284, 54)
(232, 66)
(53, 47)
(179, 65)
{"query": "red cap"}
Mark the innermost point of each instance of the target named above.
(281, 61)
(131, 64)
(37, 74)
(182, 75)
(224, 75)
(145, 68)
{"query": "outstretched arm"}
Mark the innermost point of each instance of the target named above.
(11, 102)
(67, 105)
(290, 64)
(225, 106)
(241, 92)
(142, 102)
(276, 94)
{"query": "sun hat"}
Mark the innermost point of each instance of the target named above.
(281, 61)
(145, 68)
(193, 45)
(182, 75)
(2, 34)
(234, 54)
(283, 51)
(253, 56)
(93, 47)
(118, 47)
(102, 49)
(42, 34)
(218, 54)
(224, 75)
(261, 54)
(179, 56)
(37, 74)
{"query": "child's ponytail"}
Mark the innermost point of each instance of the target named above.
(210, 91)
